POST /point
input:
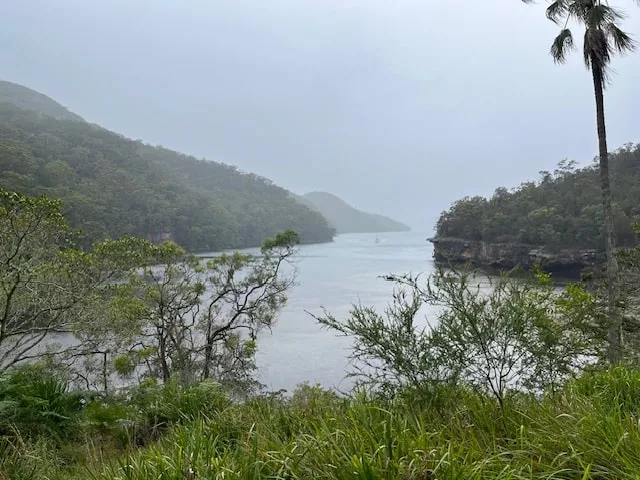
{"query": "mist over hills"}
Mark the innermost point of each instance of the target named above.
(347, 219)
(113, 186)
(27, 99)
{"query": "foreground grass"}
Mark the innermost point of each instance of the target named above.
(590, 430)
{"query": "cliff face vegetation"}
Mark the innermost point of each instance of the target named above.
(561, 210)
(113, 186)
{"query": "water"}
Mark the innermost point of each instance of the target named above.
(334, 276)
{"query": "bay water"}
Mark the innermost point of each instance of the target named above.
(334, 276)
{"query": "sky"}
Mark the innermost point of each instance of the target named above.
(400, 107)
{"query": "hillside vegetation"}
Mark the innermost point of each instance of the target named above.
(506, 382)
(562, 209)
(347, 219)
(112, 186)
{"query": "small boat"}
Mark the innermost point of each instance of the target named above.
(377, 240)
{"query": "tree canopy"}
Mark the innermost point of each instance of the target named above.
(131, 307)
(562, 209)
(112, 186)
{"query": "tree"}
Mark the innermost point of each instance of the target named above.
(574, 198)
(199, 319)
(49, 289)
(129, 306)
(602, 39)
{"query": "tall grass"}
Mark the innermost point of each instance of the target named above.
(581, 433)
(588, 430)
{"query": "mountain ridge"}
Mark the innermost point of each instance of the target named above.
(28, 99)
(113, 186)
(347, 219)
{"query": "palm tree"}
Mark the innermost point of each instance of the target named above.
(602, 39)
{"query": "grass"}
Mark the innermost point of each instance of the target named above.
(590, 430)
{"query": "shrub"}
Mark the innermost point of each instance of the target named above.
(143, 413)
(36, 401)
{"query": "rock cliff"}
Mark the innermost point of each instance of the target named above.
(568, 263)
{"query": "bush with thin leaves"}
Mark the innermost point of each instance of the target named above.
(493, 334)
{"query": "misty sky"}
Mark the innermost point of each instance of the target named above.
(398, 106)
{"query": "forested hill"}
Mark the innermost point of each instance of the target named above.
(27, 99)
(561, 209)
(112, 186)
(347, 219)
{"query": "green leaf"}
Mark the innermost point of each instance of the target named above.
(557, 11)
(562, 46)
(599, 16)
(621, 40)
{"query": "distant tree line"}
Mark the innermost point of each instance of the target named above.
(112, 186)
(562, 209)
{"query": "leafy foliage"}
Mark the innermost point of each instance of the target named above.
(112, 187)
(142, 413)
(494, 335)
(36, 401)
(587, 430)
(561, 210)
(603, 36)
(629, 300)
(462, 403)
(131, 308)
(47, 287)
(198, 319)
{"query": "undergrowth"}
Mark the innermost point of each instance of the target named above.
(588, 430)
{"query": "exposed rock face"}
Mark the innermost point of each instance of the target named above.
(567, 263)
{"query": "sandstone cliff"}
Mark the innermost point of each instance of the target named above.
(506, 256)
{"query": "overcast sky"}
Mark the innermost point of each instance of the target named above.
(398, 106)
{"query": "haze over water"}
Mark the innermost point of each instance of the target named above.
(334, 276)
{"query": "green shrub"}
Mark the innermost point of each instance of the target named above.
(143, 413)
(36, 401)
(169, 403)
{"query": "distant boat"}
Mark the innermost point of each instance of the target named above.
(377, 240)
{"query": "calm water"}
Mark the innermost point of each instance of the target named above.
(334, 276)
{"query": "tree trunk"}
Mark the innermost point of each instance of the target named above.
(208, 350)
(614, 335)
(162, 354)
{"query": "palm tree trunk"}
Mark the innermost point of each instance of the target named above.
(614, 335)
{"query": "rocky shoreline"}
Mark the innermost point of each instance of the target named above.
(566, 263)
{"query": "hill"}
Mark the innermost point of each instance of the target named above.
(561, 210)
(27, 99)
(347, 219)
(113, 186)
